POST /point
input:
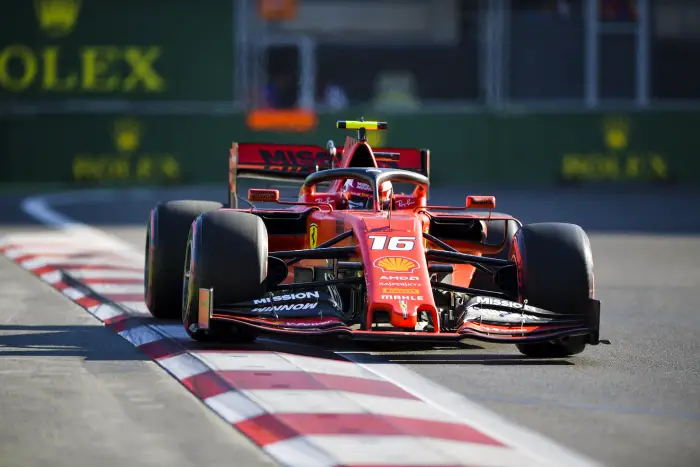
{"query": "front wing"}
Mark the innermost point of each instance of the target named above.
(482, 318)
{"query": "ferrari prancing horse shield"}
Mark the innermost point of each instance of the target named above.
(313, 236)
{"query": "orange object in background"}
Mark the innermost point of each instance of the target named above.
(277, 10)
(282, 120)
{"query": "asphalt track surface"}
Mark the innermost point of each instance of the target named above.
(74, 393)
(634, 402)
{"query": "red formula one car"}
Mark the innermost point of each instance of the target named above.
(357, 256)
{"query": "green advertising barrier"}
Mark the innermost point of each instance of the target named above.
(131, 49)
(535, 149)
(626, 147)
(129, 149)
(116, 149)
(520, 149)
(179, 56)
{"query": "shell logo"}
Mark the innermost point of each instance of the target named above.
(396, 264)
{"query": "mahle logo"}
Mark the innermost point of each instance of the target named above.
(127, 134)
(57, 18)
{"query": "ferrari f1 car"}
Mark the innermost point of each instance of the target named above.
(353, 257)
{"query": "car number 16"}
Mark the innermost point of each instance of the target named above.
(379, 242)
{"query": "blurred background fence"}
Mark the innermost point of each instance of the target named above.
(524, 91)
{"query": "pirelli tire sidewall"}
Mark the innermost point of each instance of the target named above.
(555, 272)
(166, 238)
(228, 253)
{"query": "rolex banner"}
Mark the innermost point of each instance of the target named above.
(126, 50)
(115, 149)
(539, 150)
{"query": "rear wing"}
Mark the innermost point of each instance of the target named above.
(294, 162)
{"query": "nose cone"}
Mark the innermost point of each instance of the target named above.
(396, 271)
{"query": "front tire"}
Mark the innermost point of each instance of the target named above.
(227, 252)
(555, 268)
(166, 237)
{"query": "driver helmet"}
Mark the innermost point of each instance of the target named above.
(359, 194)
(386, 192)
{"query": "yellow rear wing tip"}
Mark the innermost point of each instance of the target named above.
(357, 125)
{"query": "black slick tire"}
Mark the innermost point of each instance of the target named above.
(556, 273)
(227, 252)
(166, 238)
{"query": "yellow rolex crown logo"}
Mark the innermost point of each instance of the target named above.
(616, 132)
(127, 134)
(57, 17)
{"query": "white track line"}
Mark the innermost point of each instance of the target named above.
(442, 399)
(38, 208)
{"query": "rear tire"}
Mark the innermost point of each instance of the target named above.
(227, 252)
(555, 266)
(166, 238)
